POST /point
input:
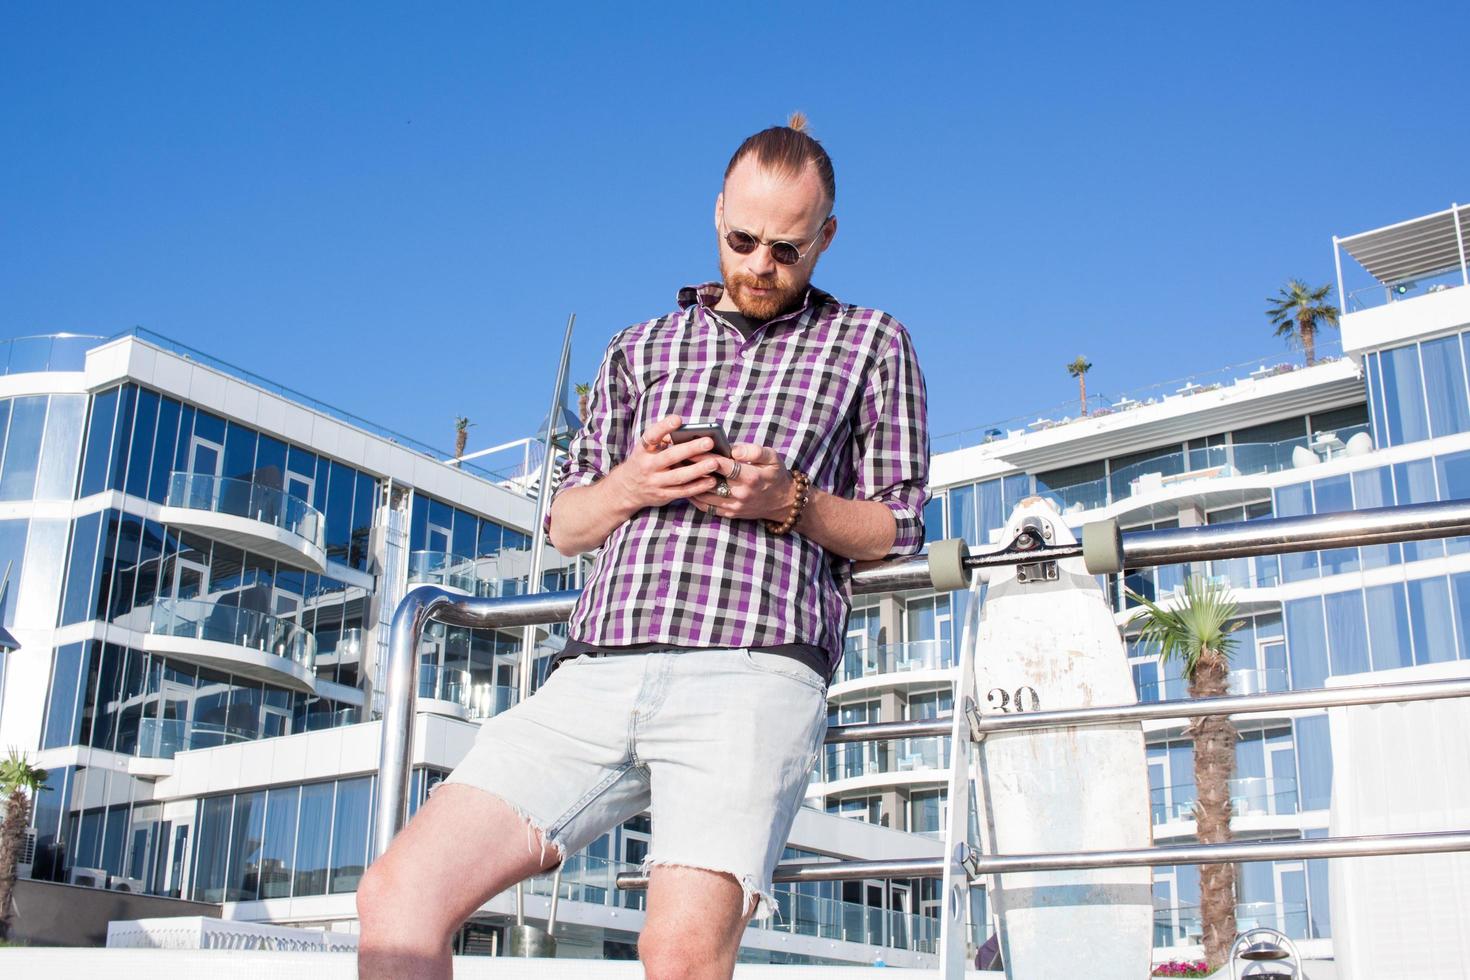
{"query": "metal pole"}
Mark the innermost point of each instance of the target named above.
(1242, 704)
(543, 504)
(1460, 242)
(395, 757)
(1437, 842)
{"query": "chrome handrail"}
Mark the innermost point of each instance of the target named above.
(1139, 549)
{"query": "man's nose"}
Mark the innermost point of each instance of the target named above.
(760, 262)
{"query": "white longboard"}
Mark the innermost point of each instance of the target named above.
(1050, 644)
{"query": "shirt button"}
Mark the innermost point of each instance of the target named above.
(747, 352)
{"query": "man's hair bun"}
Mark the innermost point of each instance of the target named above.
(797, 121)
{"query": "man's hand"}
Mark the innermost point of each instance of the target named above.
(654, 473)
(761, 487)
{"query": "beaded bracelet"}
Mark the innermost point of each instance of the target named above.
(803, 494)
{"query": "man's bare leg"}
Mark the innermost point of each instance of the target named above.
(694, 924)
(462, 848)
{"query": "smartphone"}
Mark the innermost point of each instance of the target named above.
(699, 430)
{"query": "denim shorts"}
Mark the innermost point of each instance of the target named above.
(716, 744)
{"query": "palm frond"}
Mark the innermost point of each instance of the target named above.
(1198, 628)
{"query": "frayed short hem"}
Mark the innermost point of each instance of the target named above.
(534, 828)
(765, 901)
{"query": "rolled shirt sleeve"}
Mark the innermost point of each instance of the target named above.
(605, 438)
(893, 442)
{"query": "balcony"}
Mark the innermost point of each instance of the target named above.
(879, 659)
(453, 692)
(52, 352)
(1268, 681)
(1179, 925)
(909, 756)
(1250, 796)
(448, 571)
(254, 516)
(241, 641)
(1191, 472)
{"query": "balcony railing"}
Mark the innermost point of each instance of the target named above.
(444, 684)
(489, 700)
(161, 738)
(1265, 681)
(867, 758)
(1194, 465)
(448, 570)
(1250, 796)
(889, 658)
(54, 352)
(218, 623)
(1179, 925)
(244, 498)
(590, 879)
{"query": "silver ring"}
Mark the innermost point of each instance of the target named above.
(722, 489)
(734, 470)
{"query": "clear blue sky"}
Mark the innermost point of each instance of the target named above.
(395, 207)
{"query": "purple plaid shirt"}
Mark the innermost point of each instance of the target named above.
(834, 389)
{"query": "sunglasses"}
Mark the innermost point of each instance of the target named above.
(785, 253)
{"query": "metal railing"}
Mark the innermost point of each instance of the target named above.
(1103, 550)
(245, 498)
(219, 623)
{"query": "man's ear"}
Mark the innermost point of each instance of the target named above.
(719, 211)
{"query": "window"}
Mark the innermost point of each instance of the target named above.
(1403, 396)
(22, 448)
(1296, 501)
(1415, 484)
(1444, 386)
(1306, 644)
(1429, 617)
(1346, 634)
(1374, 488)
(1388, 626)
(1333, 495)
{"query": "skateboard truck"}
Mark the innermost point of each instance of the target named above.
(1033, 535)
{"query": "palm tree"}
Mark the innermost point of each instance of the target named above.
(461, 435)
(1299, 311)
(1078, 369)
(1197, 633)
(19, 781)
(584, 394)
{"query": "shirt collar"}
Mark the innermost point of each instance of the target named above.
(707, 294)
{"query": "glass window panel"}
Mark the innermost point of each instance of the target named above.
(462, 536)
(23, 447)
(1296, 501)
(1429, 616)
(114, 837)
(962, 523)
(1306, 644)
(1403, 395)
(364, 503)
(270, 462)
(1346, 633)
(1374, 488)
(239, 452)
(125, 567)
(992, 515)
(1125, 471)
(1388, 626)
(1014, 489)
(279, 843)
(59, 453)
(1371, 375)
(350, 833)
(934, 518)
(185, 440)
(131, 701)
(1460, 586)
(13, 536)
(165, 445)
(1444, 384)
(109, 686)
(119, 467)
(63, 712)
(313, 837)
(490, 537)
(1454, 484)
(242, 880)
(1314, 761)
(140, 453)
(99, 442)
(339, 512)
(1333, 495)
(1414, 482)
(211, 848)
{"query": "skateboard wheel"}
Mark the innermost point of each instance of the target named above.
(1102, 547)
(947, 569)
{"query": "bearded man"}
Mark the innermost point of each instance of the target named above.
(694, 681)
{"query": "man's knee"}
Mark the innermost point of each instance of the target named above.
(375, 895)
(676, 949)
